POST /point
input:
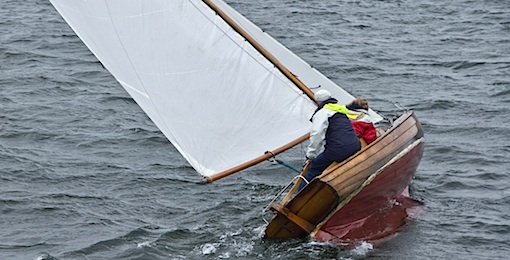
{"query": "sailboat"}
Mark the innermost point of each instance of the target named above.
(228, 96)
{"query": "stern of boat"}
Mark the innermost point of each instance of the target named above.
(346, 194)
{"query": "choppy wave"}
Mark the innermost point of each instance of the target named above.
(86, 175)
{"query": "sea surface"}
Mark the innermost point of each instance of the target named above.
(84, 174)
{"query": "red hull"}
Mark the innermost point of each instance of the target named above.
(379, 209)
(359, 199)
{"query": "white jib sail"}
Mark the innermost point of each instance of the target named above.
(212, 94)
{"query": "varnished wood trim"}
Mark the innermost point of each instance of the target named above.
(261, 49)
(257, 160)
(305, 225)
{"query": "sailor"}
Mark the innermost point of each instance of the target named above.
(331, 130)
(363, 124)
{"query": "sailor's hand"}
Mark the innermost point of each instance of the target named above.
(307, 161)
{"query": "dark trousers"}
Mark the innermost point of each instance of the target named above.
(318, 165)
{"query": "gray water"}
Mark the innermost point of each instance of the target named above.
(84, 174)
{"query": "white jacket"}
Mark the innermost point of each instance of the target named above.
(320, 123)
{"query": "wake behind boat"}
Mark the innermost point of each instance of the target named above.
(202, 71)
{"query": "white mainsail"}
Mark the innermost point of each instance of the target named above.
(212, 94)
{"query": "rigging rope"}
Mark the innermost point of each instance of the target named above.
(286, 165)
(273, 159)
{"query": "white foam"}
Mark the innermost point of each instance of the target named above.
(363, 249)
(208, 249)
(144, 244)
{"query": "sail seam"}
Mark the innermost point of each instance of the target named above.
(125, 51)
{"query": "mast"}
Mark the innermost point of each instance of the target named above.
(261, 49)
(282, 69)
